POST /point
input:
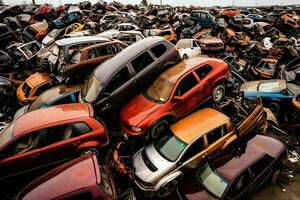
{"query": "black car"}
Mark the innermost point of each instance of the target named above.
(117, 80)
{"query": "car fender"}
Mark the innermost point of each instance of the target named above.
(167, 179)
(159, 117)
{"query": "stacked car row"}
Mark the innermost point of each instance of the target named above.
(151, 116)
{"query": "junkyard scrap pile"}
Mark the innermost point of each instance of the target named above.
(113, 101)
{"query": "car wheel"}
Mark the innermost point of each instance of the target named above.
(218, 93)
(275, 108)
(167, 189)
(185, 57)
(90, 151)
(159, 128)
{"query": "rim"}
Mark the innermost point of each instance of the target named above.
(218, 94)
(159, 129)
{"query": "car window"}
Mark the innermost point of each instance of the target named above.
(104, 50)
(260, 165)
(123, 28)
(63, 132)
(118, 80)
(203, 71)
(26, 89)
(142, 61)
(124, 38)
(80, 196)
(240, 184)
(164, 33)
(22, 145)
(196, 147)
(92, 53)
(64, 100)
(131, 28)
(203, 15)
(43, 88)
(186, 84)
(158, 50)
(216, 134)
(195, 44)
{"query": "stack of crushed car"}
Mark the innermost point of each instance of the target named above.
(113, 101)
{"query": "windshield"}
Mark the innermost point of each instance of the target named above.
(212, 181)
(269, 86)
(91, 89)
(170, 147)
(6, 135)
(160, 90)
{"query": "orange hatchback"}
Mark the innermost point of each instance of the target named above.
(33, 86)
(49, 136)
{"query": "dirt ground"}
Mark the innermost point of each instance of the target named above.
(275, 191)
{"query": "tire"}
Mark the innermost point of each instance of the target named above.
(275, 108)
(275, 175)
(90, 150)
(158, 128)
(185, 57)
(168, 189)
(218, 93)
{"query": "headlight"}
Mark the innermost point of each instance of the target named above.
(136, 129)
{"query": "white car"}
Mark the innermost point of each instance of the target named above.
(188, 48)
(114, 32)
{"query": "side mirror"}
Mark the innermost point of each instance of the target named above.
(179, 163)
(176, 99)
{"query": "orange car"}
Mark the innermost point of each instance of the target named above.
(160, 165)
(229, 12)
(168, 34)
(33, 86)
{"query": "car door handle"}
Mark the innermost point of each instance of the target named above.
(75, 143)
(204, 155)
(35, 155)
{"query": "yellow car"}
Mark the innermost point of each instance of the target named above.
(33, 86)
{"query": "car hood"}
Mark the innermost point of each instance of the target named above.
(143, 172)
(138, 109)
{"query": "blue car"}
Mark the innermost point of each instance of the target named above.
(255, 17)
(275, 93)
(55, 96)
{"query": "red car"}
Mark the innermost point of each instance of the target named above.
(81, 179)
(175, 93)
(48, 136)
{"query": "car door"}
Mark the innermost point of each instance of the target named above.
(144, 67)
(61, 141)
(193, 156)
(216, 139)
(260, 172)
(239, 189)
(21, 155)
(205, 88)
(185, 97)
(119, 88)
(196, 49)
